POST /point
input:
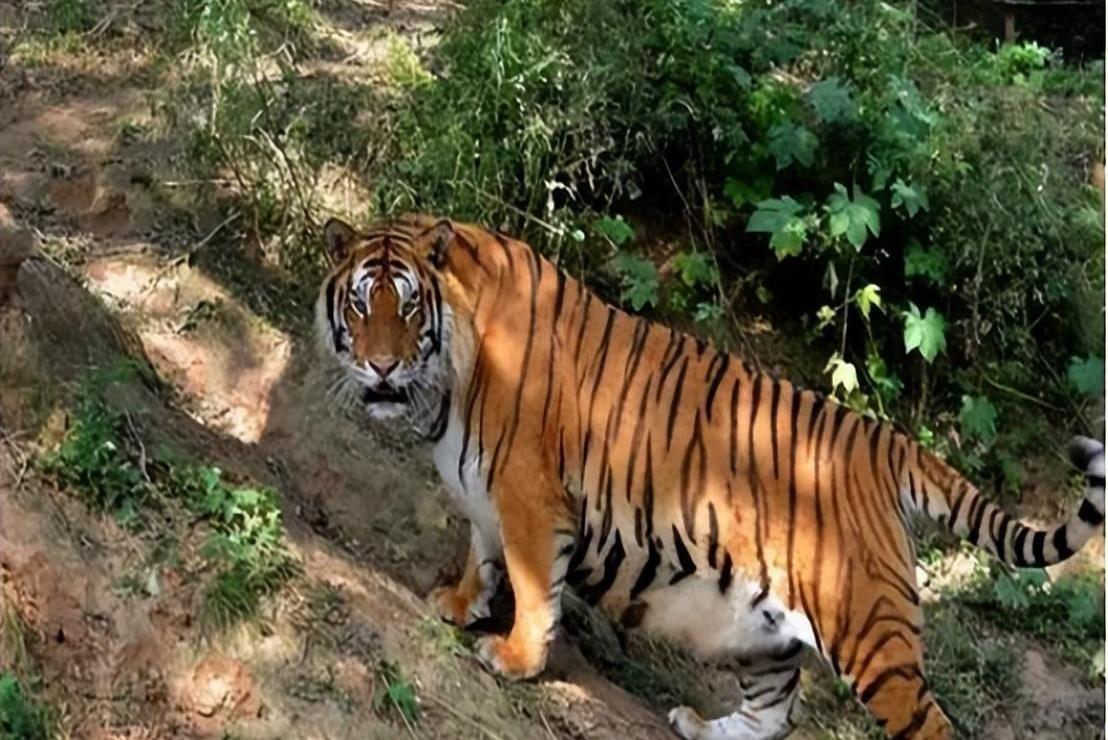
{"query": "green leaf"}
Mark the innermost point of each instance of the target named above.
(640, 280)
(929, 265)
(831, 100)
(911, 199)
(853, 217)
(925, 333)
(843, 374)
(741, 192)
(978, 418)
(616, 230)
(696, 268)
(1087, 375)
(868, 297)
(780, 217)
(789, 143)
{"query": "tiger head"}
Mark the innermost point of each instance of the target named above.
(380, 313)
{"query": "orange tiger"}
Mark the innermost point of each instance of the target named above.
(666, 481)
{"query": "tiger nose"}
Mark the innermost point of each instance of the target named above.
(383, 369)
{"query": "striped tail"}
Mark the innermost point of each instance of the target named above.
(948, 498)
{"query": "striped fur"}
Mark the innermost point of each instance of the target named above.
(677, 488)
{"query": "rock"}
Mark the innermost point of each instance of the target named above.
(16, 245)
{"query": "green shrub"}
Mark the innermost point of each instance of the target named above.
(921, 198)
(97, 455)
(21, 716)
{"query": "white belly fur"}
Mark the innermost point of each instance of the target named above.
(694, 614)
(468, 487)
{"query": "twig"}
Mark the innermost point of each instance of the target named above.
(550, 732)
(138, 441)
(1021, 394)
(556, 231)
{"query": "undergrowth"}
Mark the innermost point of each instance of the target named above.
(22, 716)
(103, 456)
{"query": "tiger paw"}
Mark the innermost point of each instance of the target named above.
(498, 655)
(686, 722)
(450, 605)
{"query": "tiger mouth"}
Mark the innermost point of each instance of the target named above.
(384, 394)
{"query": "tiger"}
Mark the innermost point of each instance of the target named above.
(664, 480)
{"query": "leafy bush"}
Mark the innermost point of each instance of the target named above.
(246, 546)
(97, 455)
(1067, 612)
(921, 197)
(21, 716)
(104, 457)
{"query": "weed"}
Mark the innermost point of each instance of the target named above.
(1068, 613)
(67, 16)
(395, 693)
(973, 671)
(104, 457)
(246, 546)
(97, 455)
(22, 717)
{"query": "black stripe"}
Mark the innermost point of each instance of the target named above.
(649, 570)
(734, 425)
(1018, 546)
(1061, 544)
(715, 383)
(688, 567)
(713, 534)
(675, 402)
(775, 400)
(594, 592)
(725, 573)
(1038, 542)
(1088, 513)
(648, 491)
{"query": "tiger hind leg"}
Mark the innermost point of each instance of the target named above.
(770, 686)
(885, 671)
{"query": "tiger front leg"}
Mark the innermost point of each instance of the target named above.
(468, 600)
(538, 541)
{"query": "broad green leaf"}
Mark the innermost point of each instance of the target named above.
(640, 280)
(929, 265)
(843, 374)
(978, 418)
(696, 268)
(615, 229)
(1087, 375)
(911, 199)
(868, 297)
(741, 192)
(781, 218)
(852, 217)
(789, 143)
(831, 100)
(924, 332)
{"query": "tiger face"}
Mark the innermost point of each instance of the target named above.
(381, 316)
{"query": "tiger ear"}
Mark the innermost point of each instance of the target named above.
(439, 238)
(339, 236)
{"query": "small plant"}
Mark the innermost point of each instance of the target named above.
(1067, 613)
(96, 455)
(974, 673)
(67, 16)
(395, 693)
(103, 456)
(21, 716)
(246, 547)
